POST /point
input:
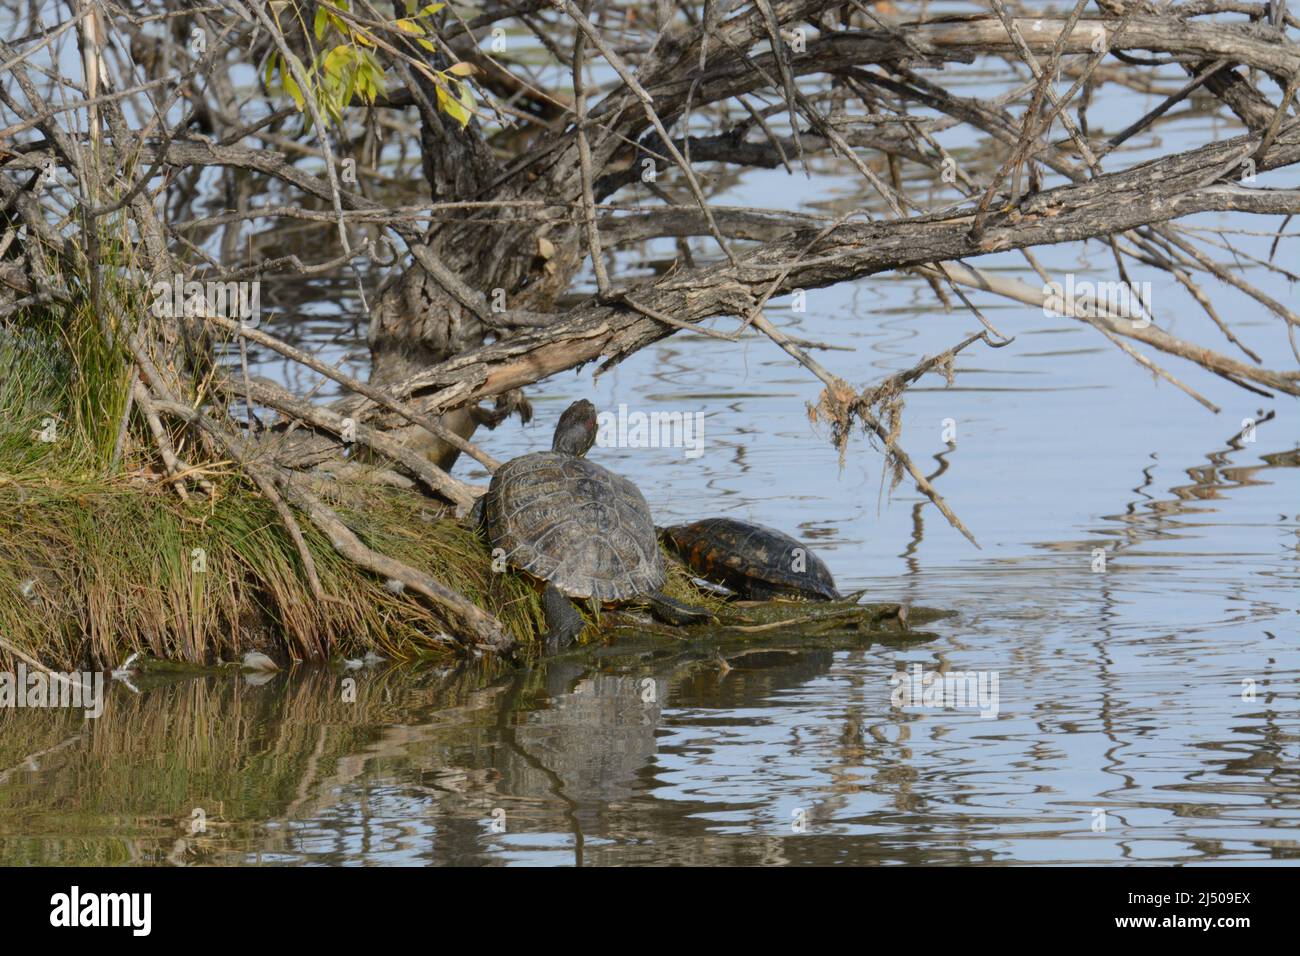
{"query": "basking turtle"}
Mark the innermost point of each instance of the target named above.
(756, 562)
(582, 530)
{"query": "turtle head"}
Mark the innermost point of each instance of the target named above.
(576, 432)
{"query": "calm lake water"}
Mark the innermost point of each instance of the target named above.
(1147, 712)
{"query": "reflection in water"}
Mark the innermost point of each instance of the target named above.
(918, 513)
(411, 767)
(1180, 736)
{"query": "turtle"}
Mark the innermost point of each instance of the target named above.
(756, 562)
(581, 531)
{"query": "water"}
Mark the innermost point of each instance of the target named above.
(1146, 712)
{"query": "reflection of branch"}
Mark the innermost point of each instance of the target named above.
(1163, 509)
(26, 761)
(918, 518)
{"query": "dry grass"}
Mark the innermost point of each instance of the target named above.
(93, 569)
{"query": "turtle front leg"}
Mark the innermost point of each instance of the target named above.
(563, 622)
(758, 591)
(475, 516)
(675, 612)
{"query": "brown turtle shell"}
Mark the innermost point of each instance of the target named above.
(575, 524)
(751, 559)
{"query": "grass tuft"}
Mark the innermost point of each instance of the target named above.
(100, 559)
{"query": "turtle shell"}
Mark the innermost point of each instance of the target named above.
(752, 560)
(575, 524)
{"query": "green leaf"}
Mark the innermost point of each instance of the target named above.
(350, 90)
(467, 101)
(337, 60)
(459, 108)
(322, 21)
(409, 26)
(290, 84)
(291, 87)
(430, 10)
